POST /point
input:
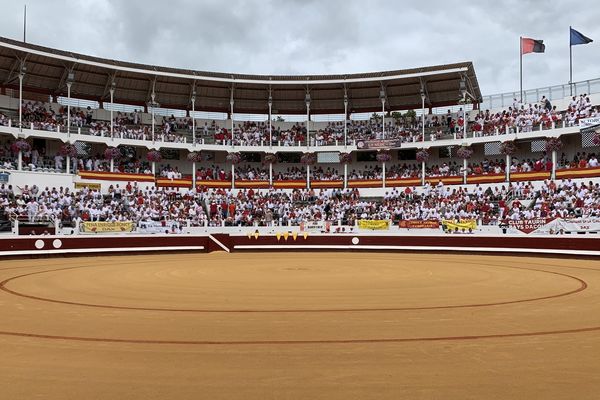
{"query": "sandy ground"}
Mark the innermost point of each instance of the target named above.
(300, 326)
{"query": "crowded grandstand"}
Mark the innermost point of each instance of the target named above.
(412, 145)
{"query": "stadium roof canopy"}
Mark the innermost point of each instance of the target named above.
(48, 70)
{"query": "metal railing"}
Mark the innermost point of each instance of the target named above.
(557, 92)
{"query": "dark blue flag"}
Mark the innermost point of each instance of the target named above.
(578, 38)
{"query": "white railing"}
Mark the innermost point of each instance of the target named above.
(557, 92)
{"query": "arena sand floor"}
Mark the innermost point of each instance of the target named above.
(300, 326)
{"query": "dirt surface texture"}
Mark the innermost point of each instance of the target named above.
(300, 326)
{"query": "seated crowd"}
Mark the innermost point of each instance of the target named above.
(524, 117)
(217, 207)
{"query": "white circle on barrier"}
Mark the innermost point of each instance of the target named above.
(39, 244)
(355, 240)
(57, 243)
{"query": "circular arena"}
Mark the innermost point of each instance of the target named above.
(247, 323)
(168, 233)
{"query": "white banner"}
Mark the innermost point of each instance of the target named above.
(315, 226)
(586, 122)
(570, 225)
(159, 227)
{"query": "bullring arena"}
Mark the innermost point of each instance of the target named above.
(304, 324)
(177, 234)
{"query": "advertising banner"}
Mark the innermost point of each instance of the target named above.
(529, 225)
(419, 224)
(83, 185)
(378, 144)
(591, 224)
(315, 226)
(158, 226)
(465, 224)
(125, 226)
(373, 224)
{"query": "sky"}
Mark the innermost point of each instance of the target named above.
(321, 36)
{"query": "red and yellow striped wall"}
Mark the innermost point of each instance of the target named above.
(529, 176)
(576, 173)
(403, 182)
(115, 176)
(572, 173)
(489, 178)
(164, 182)
(245, 184)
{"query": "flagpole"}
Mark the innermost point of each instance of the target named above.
(521, 65)
(570, 63)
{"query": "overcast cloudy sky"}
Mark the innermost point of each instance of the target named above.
(321, 36)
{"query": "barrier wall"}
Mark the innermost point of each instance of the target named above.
(55, 245)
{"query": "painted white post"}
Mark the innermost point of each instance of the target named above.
(269, 122)
(68, 164)
(553, 164)
(21, 76)
(423, 115)
(464, 171)
(194, 174)
(153, 123)
(383, 117)
(508, 162)
(112, 122)
(232, 176)
(153, 168)
(345, 175)
(383, 176)
(112, 165)
(69, 108)
(20, 161)
(231, 104)
(193, 118)
(423, 173)
(465, 122)
(345, 124)
(307, 123)
(270, 174)
(307, 176)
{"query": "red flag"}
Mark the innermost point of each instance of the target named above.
(532, 46)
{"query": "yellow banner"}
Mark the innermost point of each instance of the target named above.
(463, 224)
(83, 185)
(126, 226)
(373, 224)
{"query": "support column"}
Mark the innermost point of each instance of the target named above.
(345, 122)
(383, 117)
(21, 76)
(112, 120)
(112, 165)
(153, 96)
(270, 174)
(345, 175)
(193, 118)
(68, 164)
(383, 175)
(269, 120)
(507, 168)
(307, 176)
(553, 177)
(465, 122)
(231, 104)
(20, 161)
(153, 168)
(69, 108)
(307, 100)
(464, 171)
(422, 173)
(232, 176)
(423, 115)
(194, 174)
